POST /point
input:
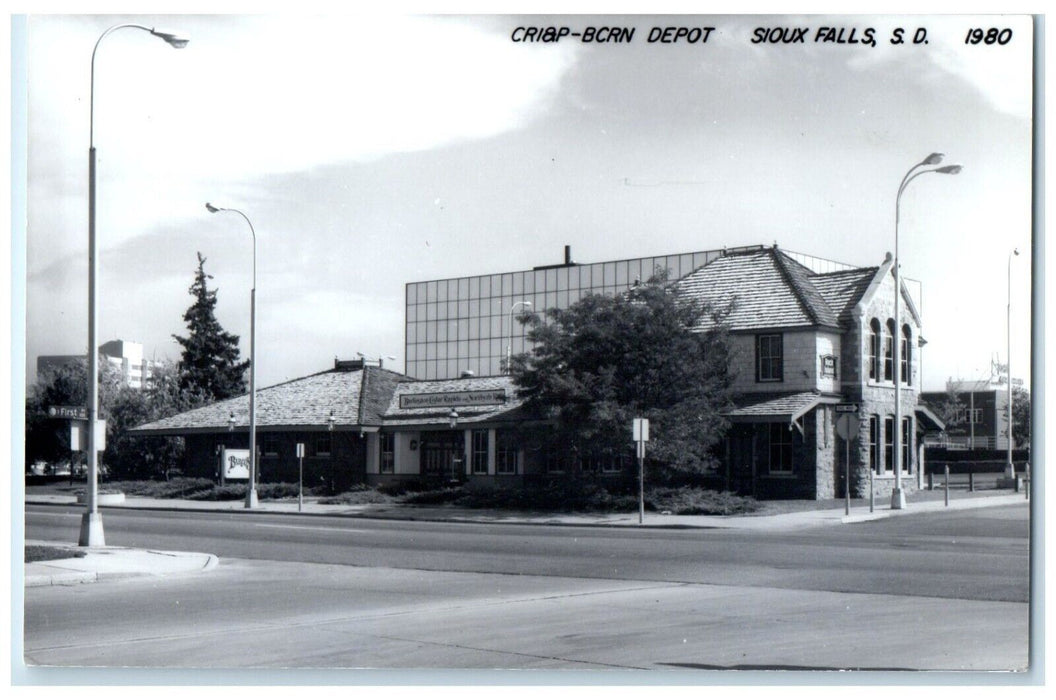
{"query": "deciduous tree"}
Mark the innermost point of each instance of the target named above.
(608, 359)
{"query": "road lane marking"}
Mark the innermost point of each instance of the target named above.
(308, 527)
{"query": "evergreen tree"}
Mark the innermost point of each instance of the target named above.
(209, 364)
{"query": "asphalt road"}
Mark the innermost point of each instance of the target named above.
(945, 591)
(978, 554)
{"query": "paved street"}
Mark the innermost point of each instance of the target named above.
(943, 591)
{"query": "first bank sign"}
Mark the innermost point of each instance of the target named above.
(452, 399)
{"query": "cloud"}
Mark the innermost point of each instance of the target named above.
(249, 97)
(995, 71)
(293, 93)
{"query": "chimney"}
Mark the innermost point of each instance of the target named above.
(568, 255)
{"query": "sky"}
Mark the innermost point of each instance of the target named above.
(369, 152)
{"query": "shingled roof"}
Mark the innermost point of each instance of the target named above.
(842, 290)
(783, 406)
(771, 290)
(356, 397)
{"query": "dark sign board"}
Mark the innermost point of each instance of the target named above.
(485, 397)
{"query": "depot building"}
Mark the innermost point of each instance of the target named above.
(808, 337)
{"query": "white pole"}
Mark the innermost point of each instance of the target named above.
(91, 534)
(1010, 467)
(898, 499)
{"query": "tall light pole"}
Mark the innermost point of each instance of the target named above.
(1010, 468)
(898, 499)
(251, 490)
(92, 521)
(509, 346)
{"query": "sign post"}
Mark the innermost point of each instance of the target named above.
(847, 426)
(300, 476)
(640, 433)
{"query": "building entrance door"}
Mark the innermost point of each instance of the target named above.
(742, 459)
(441, 455)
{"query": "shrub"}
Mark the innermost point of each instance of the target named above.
(693, 500)
(432, 498)
(403, 486)
(227, 492)
(276, 491)
(357, 496)
(183, 487)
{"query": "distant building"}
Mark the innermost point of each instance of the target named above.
(123, 355)
(981, 419)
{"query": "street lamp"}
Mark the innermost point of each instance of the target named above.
(251, 491)
(1010, 468)
(91, 534)
(509, 346)
(456, 460)
(898, 499)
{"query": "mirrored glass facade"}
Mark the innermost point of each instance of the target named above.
(463, 324)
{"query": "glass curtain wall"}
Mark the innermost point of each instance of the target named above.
(463, 324)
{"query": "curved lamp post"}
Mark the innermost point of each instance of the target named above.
(1010, 468)
(509, 346)
(898, 499)
(251, 490)
(92, 522)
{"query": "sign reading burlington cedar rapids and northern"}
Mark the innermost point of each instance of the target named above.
(489, 397)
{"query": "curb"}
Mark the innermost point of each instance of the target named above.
(70, 578)
(66, 579)
(727, 523)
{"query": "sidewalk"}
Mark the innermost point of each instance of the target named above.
(108, 563)
(118, 562)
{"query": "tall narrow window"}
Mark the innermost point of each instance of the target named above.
(874, 443)
(907, 446)
(480, 452)
(889, 443)
(387, 446)
(321, 445)
(780, 438)
(874, 349)
(889, 349)
(505, 453)
(905, 355)
(769, 358)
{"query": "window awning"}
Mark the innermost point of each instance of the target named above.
(778, 408)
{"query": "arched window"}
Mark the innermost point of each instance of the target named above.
(905, 354)
(874, 349)
(889, 349)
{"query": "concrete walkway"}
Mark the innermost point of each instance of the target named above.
(101, 563)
